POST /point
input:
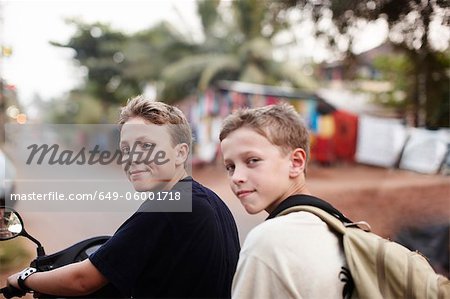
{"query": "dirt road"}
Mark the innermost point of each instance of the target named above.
(388, 199)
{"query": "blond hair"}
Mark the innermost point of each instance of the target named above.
(158, 113)
(280, 124)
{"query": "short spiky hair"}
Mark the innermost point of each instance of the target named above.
(280, 124)
(158, 113)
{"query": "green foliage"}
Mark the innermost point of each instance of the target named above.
(13, 255)
(100, 49)
(249, 15)
(237, 45)
(395, 68)
(208, 12)
(411, 24)
(409, 20)
(79, 107)
(148, 52)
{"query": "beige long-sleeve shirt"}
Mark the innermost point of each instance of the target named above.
(292, 256)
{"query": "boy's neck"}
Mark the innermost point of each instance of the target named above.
(178, 176)
(295, 190)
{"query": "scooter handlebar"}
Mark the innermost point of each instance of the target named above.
(10, 292)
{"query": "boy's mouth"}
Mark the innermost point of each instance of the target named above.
(244, 193)
(137, 173)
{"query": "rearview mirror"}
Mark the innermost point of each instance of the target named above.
(11, 224)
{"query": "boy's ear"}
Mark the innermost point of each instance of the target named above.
(298, 162)
(182, 151)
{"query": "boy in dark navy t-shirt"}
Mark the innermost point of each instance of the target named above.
(175, 255)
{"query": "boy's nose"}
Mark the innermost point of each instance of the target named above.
(133, 158)
(238, 176)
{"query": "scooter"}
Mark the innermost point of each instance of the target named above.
(11, 226)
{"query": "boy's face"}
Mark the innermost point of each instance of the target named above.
(258, 171)
(148, 155)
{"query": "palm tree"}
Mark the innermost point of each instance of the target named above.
(237, 46)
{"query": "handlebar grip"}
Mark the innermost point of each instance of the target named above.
(10, 291)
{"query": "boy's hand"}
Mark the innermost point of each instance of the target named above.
(12, 280)
(12, 289)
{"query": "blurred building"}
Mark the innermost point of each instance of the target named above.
(362, 66)
(344, 126)
(333, 131)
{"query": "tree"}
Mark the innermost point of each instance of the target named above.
(237, 45)
(412, 26)
(394, 68)
(149, 51)
(98, 48)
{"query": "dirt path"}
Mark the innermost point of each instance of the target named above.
(388, 199)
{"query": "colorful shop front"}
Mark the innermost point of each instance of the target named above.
(333, 132)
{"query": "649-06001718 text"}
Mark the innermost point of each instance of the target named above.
(97, 195)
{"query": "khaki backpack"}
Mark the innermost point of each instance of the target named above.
(381, 268)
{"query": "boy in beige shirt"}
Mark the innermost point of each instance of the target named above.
(265, 152)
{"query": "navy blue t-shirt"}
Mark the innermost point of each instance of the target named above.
(174, 254)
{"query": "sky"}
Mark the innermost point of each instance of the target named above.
(36, 67)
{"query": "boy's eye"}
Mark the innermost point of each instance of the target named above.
(229, 168)
(148, 146)
(252, 161)
(125, 150)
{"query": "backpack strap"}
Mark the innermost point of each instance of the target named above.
(336, 224)
(308, 200)
(332, 221)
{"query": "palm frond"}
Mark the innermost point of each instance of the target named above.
(220, 63)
